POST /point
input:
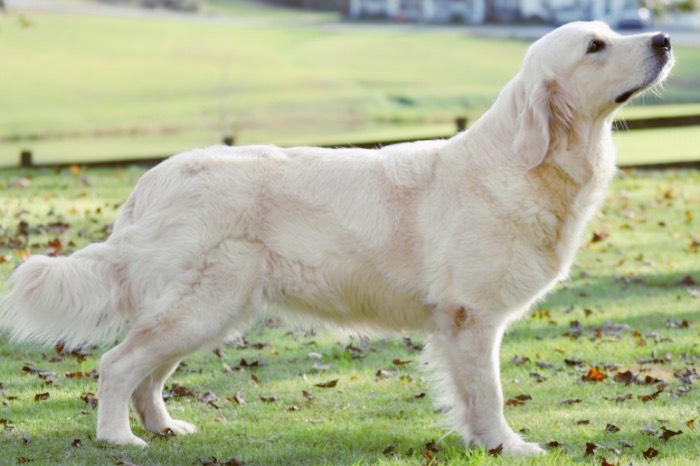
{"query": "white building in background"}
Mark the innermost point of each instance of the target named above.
(616, 12)
(442, 11)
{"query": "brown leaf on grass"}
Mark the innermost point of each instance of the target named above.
(518, 400)
(573, 362)
(583, 422)
(268, 399)
(42, 396)
(293, 408)
(612, 428)
(685, 323)
(687, 375)
(687, 280)
(400, 362)
(308, 396)
(41, 373)
(496, 451)
(254, 378)
(209, 398)
(54, 247)
(411, 345)
(553, 444)
(23, 460)
(667, 434)
(90, 399)
(605, 462)
(520, 360)
(329, 384)
(79, 353)
(233, 462)
(623, 398)
(178, 390)
(594, 375)
(384, 374)
(212, 461)
(626, 377)
(650, 452)
(76, 375)
(219, 353)
(599, 235)
(690, 423)
(572, 401)
(354, 351)
(389, 451)
(76, 443)
(237, 398)
(651, 396)
(590, 449)
(243, 364)
(429, 452)
(6, 424)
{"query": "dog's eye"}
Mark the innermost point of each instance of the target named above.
(595, 45)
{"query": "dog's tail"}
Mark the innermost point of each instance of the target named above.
(74, 300)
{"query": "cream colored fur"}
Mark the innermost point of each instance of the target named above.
(453, 237)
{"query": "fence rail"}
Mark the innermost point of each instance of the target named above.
(26, 156)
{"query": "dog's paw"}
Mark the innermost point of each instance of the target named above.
(179, 427)
(127, 439)
(523, 448)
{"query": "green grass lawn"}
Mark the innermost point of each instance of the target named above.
(90, 87)
(632, 304)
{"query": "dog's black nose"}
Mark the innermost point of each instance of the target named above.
(661, 41)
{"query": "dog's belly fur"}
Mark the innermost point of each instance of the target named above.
(358, 299)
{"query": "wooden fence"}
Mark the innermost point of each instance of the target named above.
(26, 159)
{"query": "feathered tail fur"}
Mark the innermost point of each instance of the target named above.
(74, 300)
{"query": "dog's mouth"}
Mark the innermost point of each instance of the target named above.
(662, 62)
(625, 96)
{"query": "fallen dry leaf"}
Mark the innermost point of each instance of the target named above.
(650, 452)
(329, 384)
(594, 375)
(612, 428)
(237, 398)
(496, 451)
(667, 434)
(590, 449)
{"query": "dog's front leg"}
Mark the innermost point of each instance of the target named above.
(464, 353)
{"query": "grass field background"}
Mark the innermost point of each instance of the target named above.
(92, 87)
(631, 304)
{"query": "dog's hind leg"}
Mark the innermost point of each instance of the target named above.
(147, 401)
(464, 354)
(136, 369)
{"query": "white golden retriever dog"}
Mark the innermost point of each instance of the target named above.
(454, 237)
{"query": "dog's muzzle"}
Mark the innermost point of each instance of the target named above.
(661, 48)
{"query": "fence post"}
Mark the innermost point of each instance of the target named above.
(229, 140)
(461, 123)
(25, 159)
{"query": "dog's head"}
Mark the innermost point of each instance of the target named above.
(582, 72)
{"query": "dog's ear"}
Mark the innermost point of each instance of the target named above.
(545, 121)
